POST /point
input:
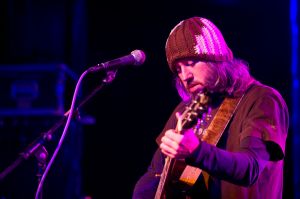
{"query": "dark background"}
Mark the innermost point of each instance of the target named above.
(111, 146)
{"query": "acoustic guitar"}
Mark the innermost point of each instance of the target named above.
(193, 114)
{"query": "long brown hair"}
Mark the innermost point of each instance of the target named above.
(231, 78)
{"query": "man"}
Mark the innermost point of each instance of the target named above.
(247, 160)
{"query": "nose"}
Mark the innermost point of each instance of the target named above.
(186, 75)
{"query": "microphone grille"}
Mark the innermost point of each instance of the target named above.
(139, 57)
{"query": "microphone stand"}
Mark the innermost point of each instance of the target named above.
(37, 148)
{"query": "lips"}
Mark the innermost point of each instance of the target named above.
(195, 88)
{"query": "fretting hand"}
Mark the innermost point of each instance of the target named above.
(179, 145)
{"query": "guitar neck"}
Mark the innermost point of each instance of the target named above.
(163, 178)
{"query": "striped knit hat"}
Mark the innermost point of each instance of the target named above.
(196, 37)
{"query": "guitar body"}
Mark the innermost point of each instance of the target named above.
(173, 186)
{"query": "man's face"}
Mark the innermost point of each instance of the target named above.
(194, 74)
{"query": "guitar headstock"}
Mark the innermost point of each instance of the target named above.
(198, 106)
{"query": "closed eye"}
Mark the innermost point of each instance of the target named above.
(185, 63)
(178, 69)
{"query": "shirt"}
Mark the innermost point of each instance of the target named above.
(247, 162)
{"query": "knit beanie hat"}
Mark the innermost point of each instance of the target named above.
(196, 37)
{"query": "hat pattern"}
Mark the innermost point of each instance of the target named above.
(199, 38)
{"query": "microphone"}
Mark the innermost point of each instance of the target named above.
(135, 58)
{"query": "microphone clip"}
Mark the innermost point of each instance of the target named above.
(110, 76)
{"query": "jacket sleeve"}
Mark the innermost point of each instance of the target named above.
(146, 186)
(241, 168)
(261, 141)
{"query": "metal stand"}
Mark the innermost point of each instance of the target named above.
(41, 156)
(37, 148)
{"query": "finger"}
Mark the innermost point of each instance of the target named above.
(170, 142)
(175, 137)
(174, 155)
(179, 121)
(167, 153)
(167, 150)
